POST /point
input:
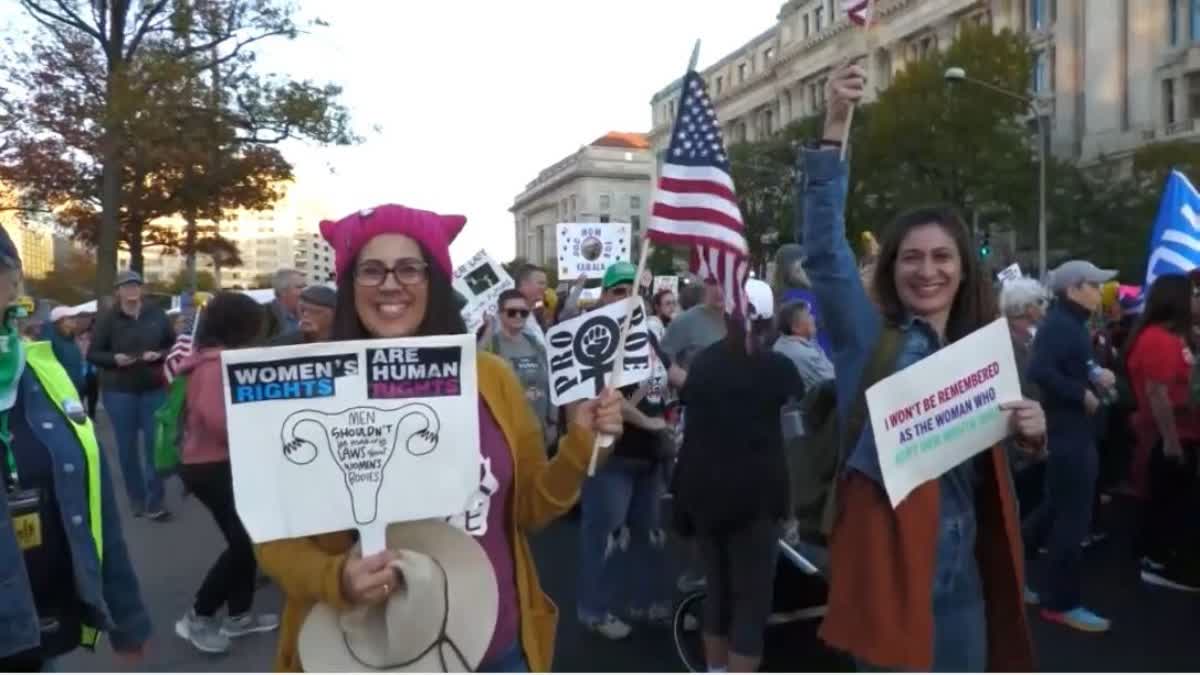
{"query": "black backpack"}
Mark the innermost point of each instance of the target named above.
(816, 460)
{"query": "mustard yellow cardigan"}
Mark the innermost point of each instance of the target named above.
(308, 569)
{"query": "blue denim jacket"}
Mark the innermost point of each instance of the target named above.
(851, 318)
(109, 593)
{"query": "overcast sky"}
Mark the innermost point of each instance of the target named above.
(462, 102)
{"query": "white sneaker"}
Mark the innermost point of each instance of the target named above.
(203, 633)
(237, 626)
(611, 627)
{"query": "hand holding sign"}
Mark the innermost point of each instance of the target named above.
(946, 408)
(1027, 419)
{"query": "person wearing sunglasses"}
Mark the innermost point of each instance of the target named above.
(527, 357)
(621, 538)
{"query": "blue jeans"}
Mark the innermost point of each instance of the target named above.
(1071, 474)
(511, 660)
(132, 418)
(621, 539)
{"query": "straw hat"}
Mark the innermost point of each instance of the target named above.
(440, 620)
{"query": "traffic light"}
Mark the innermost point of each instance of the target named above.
(985, 245)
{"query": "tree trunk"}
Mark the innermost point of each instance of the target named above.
(190, 247)
(110, 205)
(137, 252)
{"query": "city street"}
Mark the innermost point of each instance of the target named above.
(1153, 630)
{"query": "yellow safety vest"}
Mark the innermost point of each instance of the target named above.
(39, 357)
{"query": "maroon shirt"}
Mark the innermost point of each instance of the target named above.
(488, 520)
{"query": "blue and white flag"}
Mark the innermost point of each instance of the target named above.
(1175, 241)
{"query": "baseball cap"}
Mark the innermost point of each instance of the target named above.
(61, 312)
(127, 277)
(619, 273)
(1074, 272)
(322, 296)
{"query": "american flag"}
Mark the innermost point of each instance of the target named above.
(858, 11)
(695, 204)
(182, 348)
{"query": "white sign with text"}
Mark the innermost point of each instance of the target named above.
(589, 248)
(480, 280)
(581, 352)
(944, 409)
(352, 435)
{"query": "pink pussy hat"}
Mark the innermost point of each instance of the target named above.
(431, 230)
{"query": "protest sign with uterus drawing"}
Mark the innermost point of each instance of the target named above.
(351, 435)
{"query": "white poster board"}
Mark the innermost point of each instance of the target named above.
(1010, 273)
(480, 280)
(666, 283)
(581, 352)
(352, 435)
(589, 248)
(943, 410)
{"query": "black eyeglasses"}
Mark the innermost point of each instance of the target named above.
(514, 313)
(407, 271)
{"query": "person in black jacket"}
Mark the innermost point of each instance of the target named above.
(731, 487)
(1062, 367)
(131, 340)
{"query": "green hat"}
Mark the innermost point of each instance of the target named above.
(619, 273)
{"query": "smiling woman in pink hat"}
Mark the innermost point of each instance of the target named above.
(394, 273)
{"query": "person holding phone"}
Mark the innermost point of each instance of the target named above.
(130, 343)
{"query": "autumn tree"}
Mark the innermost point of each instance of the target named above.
(109, 91)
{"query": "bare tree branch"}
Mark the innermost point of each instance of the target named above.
(49, 18)
(140, 33)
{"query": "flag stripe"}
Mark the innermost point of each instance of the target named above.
(708, 174)
(690, 207)
(690, 187)
(715, 235)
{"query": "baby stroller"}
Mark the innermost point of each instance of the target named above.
(797, 608)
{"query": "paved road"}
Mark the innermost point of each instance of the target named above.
(1154, 630)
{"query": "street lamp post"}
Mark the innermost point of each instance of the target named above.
(955, 75)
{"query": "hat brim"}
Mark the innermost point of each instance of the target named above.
(1104, 276)
(471, 620)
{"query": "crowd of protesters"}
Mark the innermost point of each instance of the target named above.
(704, 449)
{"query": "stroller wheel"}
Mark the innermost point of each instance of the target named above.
(685, 629)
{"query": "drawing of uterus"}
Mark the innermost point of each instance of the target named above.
(361, 442)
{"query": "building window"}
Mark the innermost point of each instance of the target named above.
(636, 222)
(1193, 94)
(604, 218)
(1194, 21)
(807, 27)
(572, 207)
(635, 202)
(720, 84)
(768, 121)
(605, 202)
(1173, 22)
(818, 19)
(1041, 74)
(769, 54)
(741, 72)
(1168, 97)
(1037, 16)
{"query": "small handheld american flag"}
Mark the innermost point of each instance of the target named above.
(182, 348)
(695, 204)
(858, 11)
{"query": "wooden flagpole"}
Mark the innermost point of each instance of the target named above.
(605, 440)
(867, 47)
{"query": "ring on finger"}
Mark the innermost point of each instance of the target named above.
(387, 589)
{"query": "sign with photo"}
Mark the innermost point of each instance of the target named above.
(666, 283)
(480, 280)
(581, 352)
(352, 435)
(1010, 273)
(589, 248)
